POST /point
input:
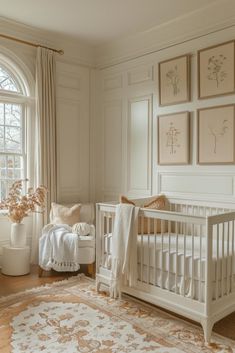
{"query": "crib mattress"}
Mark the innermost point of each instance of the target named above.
(169, 270)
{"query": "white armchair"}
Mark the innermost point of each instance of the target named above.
(85, 244)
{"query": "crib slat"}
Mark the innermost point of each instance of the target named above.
(184, 267)
(217, 262)
(233, 255)
(102, 239)
(227, 258)
(200, 264)
(149, 254)
(192, 268)
(222, 279)
(162, 272)
(107, 228)
(176, 259)
(142, 248)
(169, 252)
(155, 249)
(233, 260)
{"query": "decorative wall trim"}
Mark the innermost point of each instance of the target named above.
(169, 34)
(131, 189)
(70, 81)
(140, 75)
(76, 51)
(112, 172)
(205, 186)
(111, 83)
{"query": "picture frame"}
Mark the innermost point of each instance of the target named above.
(216, 135)
(173, 138)
(216, 70)
(174, 80)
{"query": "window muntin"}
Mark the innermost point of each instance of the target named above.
(12, 133)
(7, 82)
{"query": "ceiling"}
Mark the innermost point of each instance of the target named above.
(98, 21)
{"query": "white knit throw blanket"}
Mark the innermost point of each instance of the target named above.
(58, 248)
(124, 248)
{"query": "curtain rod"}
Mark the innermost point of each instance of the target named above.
(61, 52)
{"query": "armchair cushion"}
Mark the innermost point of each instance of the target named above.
(65, 215)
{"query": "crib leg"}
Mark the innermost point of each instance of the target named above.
(207, 326)
(97, 285)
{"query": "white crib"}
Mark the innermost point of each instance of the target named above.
(186, 258)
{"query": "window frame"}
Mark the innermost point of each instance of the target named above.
(20, 98)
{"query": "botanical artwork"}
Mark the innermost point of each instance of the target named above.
(173, 138)
(216, 135)
(216, 70)
(174, 81)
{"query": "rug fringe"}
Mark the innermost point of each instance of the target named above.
(45, 286)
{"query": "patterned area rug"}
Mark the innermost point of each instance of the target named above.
(69, 316)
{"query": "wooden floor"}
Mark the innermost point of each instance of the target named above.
(9, 285)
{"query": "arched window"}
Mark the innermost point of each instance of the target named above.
(12, 129)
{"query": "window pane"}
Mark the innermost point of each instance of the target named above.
(3, 189)
(18, 162)
(3, 173)
(1, 113)
(10, 161)
(7, 82)
(13, 139)
(13, 114)
(2, 161)
(1, 138)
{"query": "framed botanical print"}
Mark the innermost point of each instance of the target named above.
(174, 80)
(173, 138)
(216, 73)
(216, 128)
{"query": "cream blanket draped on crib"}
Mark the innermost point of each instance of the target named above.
(124, 248)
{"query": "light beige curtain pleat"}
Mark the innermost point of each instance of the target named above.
(45, 151)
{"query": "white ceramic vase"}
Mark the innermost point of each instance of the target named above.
(18, 235)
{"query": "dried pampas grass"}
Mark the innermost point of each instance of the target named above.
(20, 206)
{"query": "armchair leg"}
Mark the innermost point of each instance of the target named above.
(91, 269)
(40, 271)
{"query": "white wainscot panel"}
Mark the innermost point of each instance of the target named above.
(68, 81)
(139, 145)
(141, 74)
(112, 124)
(111, 83)
(68, 147)
(205, 186)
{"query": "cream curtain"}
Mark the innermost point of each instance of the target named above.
(45, 139)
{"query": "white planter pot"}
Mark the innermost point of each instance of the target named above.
(18, 235)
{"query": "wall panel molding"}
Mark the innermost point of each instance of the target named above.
(139, 145)
(206, 186)
(142, 74)
(112, 146)
(112, 83)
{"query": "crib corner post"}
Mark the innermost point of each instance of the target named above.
(207, 326)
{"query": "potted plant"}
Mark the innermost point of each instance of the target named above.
(19, 206)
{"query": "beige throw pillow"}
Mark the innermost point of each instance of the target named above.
(156, 203)
(65, 215)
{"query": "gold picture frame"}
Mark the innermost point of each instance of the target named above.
(174, 80)
(216, 135)
(216, 70)
(173, 138)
